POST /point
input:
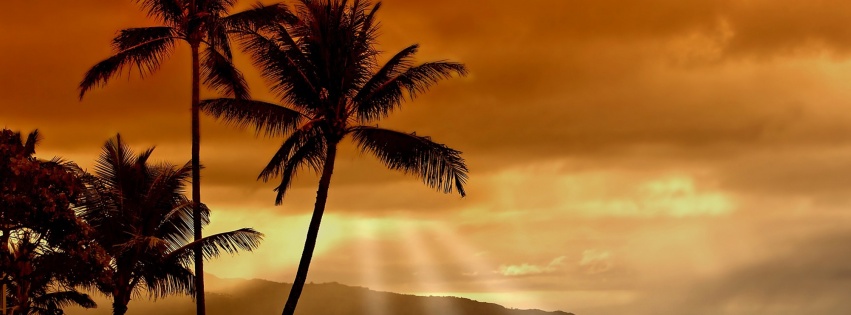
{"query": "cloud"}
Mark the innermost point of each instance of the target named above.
(807, 275)
(592, 79)
(557, 189)
(529, 269)
(596, 261)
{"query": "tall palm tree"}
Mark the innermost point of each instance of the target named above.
(144, 222)
(323, 66)
(203, 24)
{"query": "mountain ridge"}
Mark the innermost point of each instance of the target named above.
(259, 296)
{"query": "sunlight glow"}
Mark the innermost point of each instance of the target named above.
(282, 244)
(370, 269)
(481, 268)
(551, 187)
(427, 275)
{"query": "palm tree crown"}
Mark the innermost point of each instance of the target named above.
(323, 66)
(143, 220)
(198, 23)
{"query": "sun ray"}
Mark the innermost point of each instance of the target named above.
(427, 276)
(478, 267)
(368, 254)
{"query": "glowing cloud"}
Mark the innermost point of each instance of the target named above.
(528, 269)
(554, 190)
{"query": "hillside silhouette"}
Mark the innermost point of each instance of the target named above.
(230, 296)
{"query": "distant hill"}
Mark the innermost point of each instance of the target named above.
(249, 297)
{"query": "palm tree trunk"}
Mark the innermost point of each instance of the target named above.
(23, 296)
(312, 230)
(119, 307)
(200, 306)
(5, 260)
(5, 252)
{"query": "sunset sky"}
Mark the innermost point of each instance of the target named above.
(626, 157)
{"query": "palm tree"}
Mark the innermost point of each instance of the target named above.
(323, 66)
(145, 224)
(202, 24)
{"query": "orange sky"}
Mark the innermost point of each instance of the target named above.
(653, 157)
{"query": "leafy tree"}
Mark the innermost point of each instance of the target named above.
(323, 66)
(43, 277)
(142, 219)
(204, 25)
(45, 250)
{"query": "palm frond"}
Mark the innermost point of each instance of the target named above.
(292, 144)
(439, 166)
(146, 244)
(272, 119)
(218, 37)
(393, 67)
(132, 37)
(220, 73)
(119, 166)
(369, 27)
(114, 159)
(165, 185)
(166, 278)
(258, 16)
(214, 7)
(169, 11)
(32, 140)
(363, 47)
(282, 65)
(245, 239)
(390, 93)
(310, 153)
(327, 36)
(305, 147)
(58, 300)
(146, 57)
(176, 226)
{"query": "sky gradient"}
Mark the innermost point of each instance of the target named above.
(653, 157)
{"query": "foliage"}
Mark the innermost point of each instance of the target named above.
(45, 249)
(323, 66)
(198, 23)
(203, 24)
(142, 218)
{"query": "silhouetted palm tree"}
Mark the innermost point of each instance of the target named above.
(202, 24)
(322, 64)
(144, 222)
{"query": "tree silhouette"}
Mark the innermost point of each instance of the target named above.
(202, 24)
(142, 219)
(45, 249)
(323, 66)
(43, 276)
